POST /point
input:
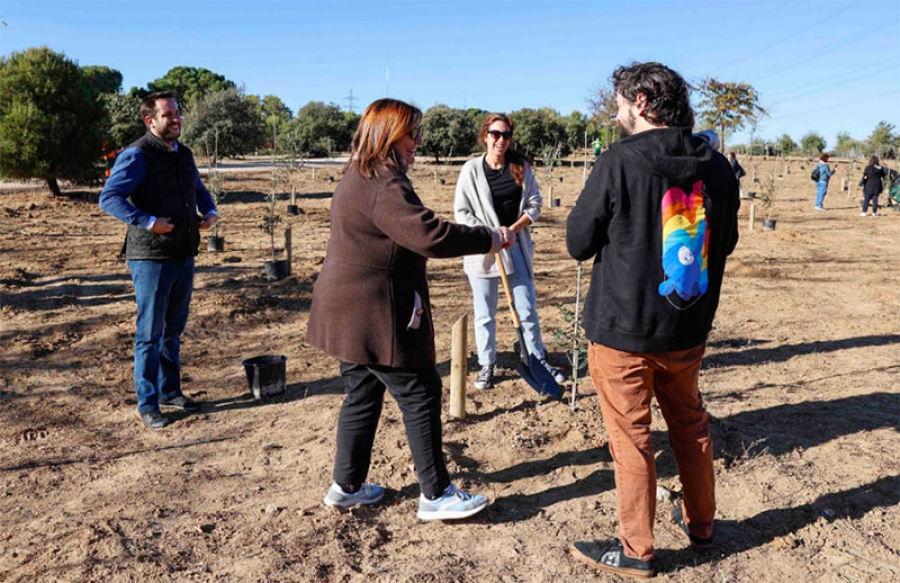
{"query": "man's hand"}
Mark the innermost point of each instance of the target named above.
(162, 225)
(208, 221)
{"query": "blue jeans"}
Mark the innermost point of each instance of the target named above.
(163, 293)
(484, 300)
(821, 189)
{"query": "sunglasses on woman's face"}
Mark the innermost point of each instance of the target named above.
(415, 134)
(496, 134)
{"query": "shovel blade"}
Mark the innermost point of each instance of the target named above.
(539, 378)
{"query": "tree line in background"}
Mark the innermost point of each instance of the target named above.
(58, 120)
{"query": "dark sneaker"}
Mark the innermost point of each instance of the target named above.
(557, 376)
(608, 555)
(485, 378)
(180, 403)
(154, 419)
(699, 543)
(367, 494)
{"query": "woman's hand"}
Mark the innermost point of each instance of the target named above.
(509, 237)
(521, 224)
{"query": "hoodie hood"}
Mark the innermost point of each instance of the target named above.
(672, 153)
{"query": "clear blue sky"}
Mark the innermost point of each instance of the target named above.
(827, 66)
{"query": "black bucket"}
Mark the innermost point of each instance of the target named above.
(276, 269)
(266, 374)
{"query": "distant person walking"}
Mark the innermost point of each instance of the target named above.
(659, 217)
(499, 189)
(371, 309)
(873, 184)
(738, 171)
(824, 173)
(155, 188)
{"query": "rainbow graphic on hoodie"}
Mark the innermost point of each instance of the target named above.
(685, 244)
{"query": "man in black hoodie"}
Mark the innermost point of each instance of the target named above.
(659, 216)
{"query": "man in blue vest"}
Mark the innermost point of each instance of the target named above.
(155, 189)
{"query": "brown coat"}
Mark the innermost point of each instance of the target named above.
(366, 295)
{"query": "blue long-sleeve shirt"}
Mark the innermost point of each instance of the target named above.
(129, 170)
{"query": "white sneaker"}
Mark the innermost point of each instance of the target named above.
(452, 504)
(862, 214)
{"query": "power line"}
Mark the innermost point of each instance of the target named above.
(794, 34)
(840, 44)
(878, 65)
(838, 104)
(830, 86)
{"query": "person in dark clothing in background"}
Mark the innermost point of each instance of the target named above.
(873, 184)
(738, 171)
(155, 188)
(659, 216)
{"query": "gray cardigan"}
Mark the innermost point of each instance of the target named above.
(473, 206)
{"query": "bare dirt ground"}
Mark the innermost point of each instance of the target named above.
(801, 380)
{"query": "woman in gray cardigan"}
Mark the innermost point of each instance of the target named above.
(371, 309)
(499, 189)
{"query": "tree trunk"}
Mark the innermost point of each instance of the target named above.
(53, 185)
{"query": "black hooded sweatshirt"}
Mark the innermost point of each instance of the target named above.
(659, 215)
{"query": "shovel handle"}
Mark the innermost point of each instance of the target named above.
(509, 297)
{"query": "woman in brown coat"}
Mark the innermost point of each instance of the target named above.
(371, 309)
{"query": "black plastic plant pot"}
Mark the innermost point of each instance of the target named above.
(276, 269)
(266, 375)
(769, 224)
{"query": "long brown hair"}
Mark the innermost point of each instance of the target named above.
(515, 158)
(382, 125)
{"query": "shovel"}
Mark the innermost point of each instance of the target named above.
(529, 367)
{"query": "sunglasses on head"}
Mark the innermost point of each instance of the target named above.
(415, 134)
(497, 134)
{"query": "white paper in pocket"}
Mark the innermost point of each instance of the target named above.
(416, 320)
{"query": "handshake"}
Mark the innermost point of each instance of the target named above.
(501, 238)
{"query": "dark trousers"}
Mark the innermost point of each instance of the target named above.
(418, 394)
(865, 203)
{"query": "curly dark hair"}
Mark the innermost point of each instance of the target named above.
(668, 102)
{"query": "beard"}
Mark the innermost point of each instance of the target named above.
(626, 123)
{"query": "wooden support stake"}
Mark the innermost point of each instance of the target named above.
(458, 366)
(293, 195)
(314, 173)
(287, 249)
(752, 214)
